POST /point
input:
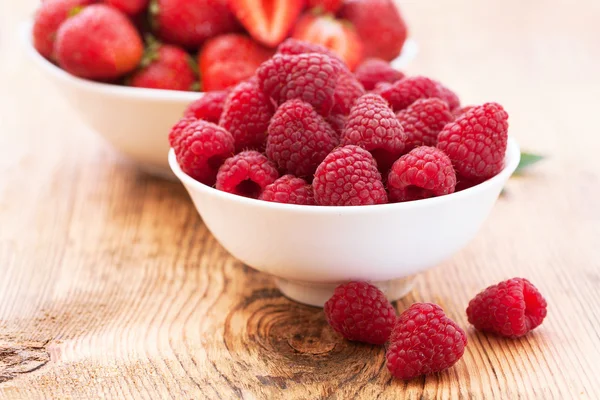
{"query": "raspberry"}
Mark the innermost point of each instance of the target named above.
(448, 96)
(404, 92)
(294, 46)
(424, 340)
(348, 89)
(200, 148)
(348, 177)
(337, 122)
(375, 70)
(246, 174)
(299, 138)
(359, 311)
(460, 111)
(423, 120)
(289, 189)
(246, 115)
(177, 130)
(510, 308)
(373, 126)
(310, 77)
(424, 172)
(476, 141)
(380, 87)
(209, 107)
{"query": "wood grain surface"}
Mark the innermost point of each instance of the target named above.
(111, 286)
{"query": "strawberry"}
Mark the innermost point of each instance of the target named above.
(48, 18)
(129, 7)
(165, 67)
(267, 21)
(379, 25)
(226, 60)
(189, 23)
(327, 6)
(333, 34)
(98, 43)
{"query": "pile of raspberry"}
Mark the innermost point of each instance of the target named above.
(305, 130)
(423, 340)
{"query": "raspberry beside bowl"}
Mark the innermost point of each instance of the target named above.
(134, 121)
(311, 249)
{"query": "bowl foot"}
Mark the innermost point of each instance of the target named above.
(316, 294)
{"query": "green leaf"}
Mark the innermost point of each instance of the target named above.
(527, 160)
(74, 11)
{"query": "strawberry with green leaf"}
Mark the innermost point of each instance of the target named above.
(165, 67)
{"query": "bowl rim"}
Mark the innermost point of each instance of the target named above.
(408, 53)
(512, 158)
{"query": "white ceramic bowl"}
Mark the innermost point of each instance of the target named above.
(135, 121)
(310, 249)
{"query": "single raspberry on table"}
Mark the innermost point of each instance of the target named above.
(347, 91)
(423, 120)
(294, 46)
(246, 174)
(476, 141)
(290, 190)
(373, 126)
(404, 92)
(299, 138)
(309, 77)
(422, 173)
(510, 308)
(209, 107)
(246, 114)
(424, 341)
(375, 70)
(360, 312)
(348, 176)
(200, 148)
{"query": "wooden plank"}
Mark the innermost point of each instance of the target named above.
(112, 286)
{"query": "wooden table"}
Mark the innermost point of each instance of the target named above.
(111, 285)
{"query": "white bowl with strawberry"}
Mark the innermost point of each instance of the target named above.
(130, 67)
(347, 183)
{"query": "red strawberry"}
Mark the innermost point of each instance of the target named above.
(188, 23)
(226, 60)
(329, 6)
(129, 7)
(333, 34)
(165, 67)
(98, 43)
(379, 25)
(48, 18)
(268, 21)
